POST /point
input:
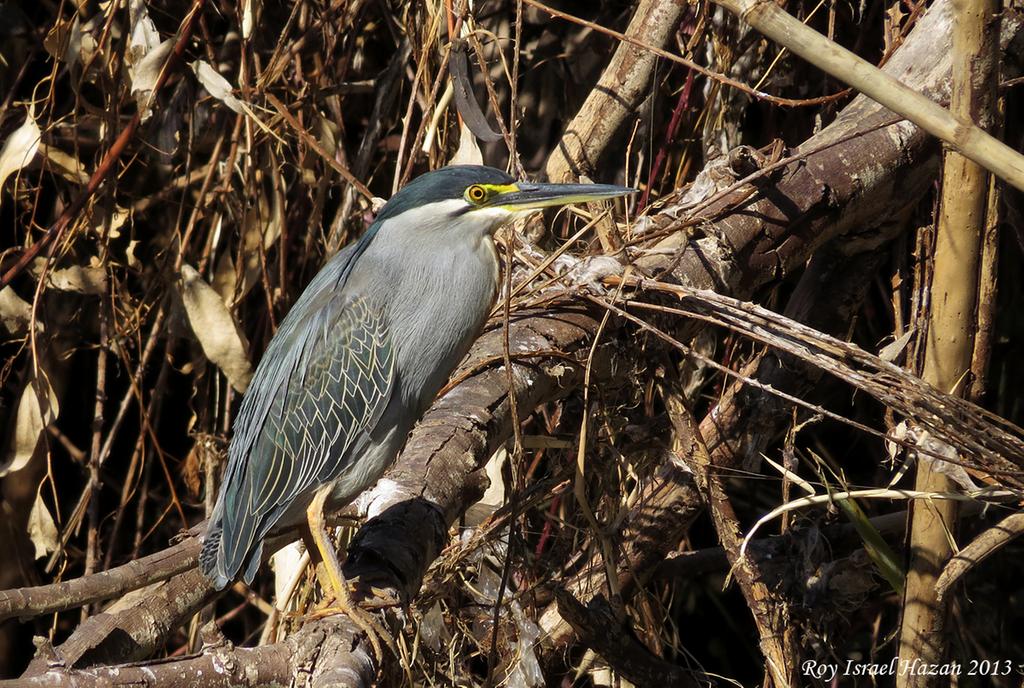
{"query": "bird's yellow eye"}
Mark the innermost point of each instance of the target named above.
(476, 193)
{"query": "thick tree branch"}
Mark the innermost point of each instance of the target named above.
(956, 128)
(620, 90)
(153, 568)
(132, 629)
(322, 651)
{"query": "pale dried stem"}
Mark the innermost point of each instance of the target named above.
(952, 320)
(987, 543)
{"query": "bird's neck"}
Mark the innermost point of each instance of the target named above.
(442, 299)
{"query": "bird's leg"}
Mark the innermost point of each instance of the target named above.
(382, 597)
(365, 621)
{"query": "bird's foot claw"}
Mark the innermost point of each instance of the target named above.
(378, 598)
(330, 601)
(381, 598)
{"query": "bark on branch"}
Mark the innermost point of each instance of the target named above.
(323, 651)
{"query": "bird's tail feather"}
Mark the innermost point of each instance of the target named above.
(210, 554)
(212, 560)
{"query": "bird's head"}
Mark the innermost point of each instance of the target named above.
(480, 199)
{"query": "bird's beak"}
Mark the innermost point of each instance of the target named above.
(525, 196)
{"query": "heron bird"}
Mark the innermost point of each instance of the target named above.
(358, 359)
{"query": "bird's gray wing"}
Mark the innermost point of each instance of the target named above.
(324, 380)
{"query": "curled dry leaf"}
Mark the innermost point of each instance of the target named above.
(215, 329)
(67, 166)
(891, 351)
(144, 74)
(327, 133)
(144, 36)
(99, 221)
(250, 16)
(215, 84)
(15, 312)
(145, 56)
(41, 529)
(129, 255)
(462, 82)
(77, 278)
(261, 227)
(260, 230)
(468, 152)
(37, 408)
(19, 148)
(64, 40)
(944, 458)
(494, 496)
(224, 280)
(286, 563)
